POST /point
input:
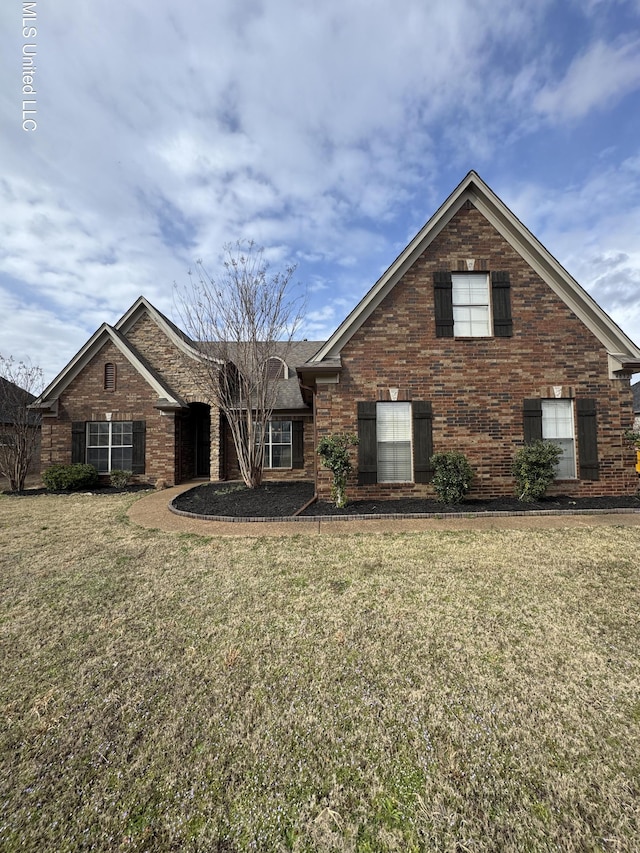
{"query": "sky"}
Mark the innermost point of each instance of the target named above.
(328, 132)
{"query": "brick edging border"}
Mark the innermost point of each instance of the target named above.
(297, 519)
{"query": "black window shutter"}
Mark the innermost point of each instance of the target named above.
(367, 444)
(501, 292)
(532, 420)
(139, 441)
(422, 441)
(78, 441)
(443, 302)
(297, 444)
(587, 439)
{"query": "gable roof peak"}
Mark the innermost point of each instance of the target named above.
(174, 333)
(473, 188)
(101, 336)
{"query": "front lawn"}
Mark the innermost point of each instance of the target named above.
(435, 691)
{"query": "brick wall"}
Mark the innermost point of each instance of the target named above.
(232, 468)
(85, 399)
(170, 447)
(180, 372)
(477, 385)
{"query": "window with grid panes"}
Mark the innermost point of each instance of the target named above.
(277, 445)
(110, 445)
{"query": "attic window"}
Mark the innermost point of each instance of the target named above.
(109, 376)
(276, 368)
(470, 305)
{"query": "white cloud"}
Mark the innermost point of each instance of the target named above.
(53, 339)
(605, 72)
(592, 230)
(328, 132)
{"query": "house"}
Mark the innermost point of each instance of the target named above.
(635, 390)
(129, 400)
(475, 339)
(12, 397)
(19, 430)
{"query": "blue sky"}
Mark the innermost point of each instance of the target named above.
(327, 132)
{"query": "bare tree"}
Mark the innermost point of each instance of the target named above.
(20, 384)
(241, 319)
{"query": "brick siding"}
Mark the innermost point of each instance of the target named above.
(85, 399)
(170, 442)
(477, 385)
(232, 469)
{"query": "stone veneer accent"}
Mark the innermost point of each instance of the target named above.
(169, 446)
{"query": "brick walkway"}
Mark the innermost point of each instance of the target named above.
(153, 511)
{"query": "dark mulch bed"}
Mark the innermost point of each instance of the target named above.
(279, 500)
(97, 490)
(271, 500)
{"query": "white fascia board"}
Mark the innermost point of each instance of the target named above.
(555, 275)
(158, 387)
(474, 189)
(142, 305)
(393, 274)
(83, 357)
(71, 370)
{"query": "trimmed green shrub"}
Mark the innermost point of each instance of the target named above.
(120, 478)
(534, 468)
(452, 476)
(333, 450)
(70, 478)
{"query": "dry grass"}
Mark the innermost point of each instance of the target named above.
(445, 691)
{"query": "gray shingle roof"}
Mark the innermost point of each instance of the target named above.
(289, 395)
(297, 353)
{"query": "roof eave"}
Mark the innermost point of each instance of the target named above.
(142, 304)
(621, 366)
(474, 189)
(395, 271)
(552, 272)
(82, 358)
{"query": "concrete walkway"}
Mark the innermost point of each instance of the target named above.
(153, 511)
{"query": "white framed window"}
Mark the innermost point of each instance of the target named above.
(110, 445)
(557, 426)
(393, 431)
(471, 305)
(277, 444)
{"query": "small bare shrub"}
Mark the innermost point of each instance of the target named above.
(120, 478)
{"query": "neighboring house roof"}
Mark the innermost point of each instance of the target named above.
(623, 354)
(167, 398)
(9, 390)
(636, 398)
